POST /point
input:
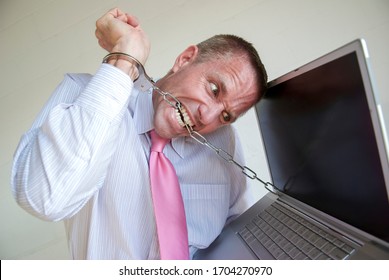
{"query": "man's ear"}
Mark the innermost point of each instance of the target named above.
(186, 57)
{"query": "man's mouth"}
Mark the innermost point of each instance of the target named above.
(183, 118)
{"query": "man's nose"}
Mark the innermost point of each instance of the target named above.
(209, 113)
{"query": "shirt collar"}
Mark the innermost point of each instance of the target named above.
(143, 112)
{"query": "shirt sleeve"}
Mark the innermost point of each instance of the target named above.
(60, 163)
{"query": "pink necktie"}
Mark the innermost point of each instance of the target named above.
(168, 205)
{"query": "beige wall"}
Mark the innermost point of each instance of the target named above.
(42, 39)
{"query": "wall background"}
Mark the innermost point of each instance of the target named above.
(43, 39)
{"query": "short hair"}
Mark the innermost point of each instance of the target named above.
(227, 46)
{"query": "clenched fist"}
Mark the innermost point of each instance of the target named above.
(117, 31)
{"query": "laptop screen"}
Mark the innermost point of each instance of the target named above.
(321, 147)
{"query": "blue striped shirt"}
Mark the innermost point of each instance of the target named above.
(85, 161)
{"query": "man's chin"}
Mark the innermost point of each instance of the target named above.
(165, 133)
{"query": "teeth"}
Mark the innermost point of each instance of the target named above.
(183, 118)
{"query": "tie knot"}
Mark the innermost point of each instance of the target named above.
(157, 142)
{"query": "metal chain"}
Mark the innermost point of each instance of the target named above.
(144, 83)
(219, 151)
(174, 102)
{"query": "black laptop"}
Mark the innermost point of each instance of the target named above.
(323, 133)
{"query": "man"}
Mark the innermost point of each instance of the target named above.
(85, 159)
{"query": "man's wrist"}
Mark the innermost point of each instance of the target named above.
(124, 62)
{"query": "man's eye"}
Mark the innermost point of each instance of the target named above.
(214, 89)
(226, 116)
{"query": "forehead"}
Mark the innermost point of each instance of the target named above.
(236, 72)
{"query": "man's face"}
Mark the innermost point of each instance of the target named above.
(212, 94)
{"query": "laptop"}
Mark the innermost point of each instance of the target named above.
(323, 133)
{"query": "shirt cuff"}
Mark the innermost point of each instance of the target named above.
(107, 92)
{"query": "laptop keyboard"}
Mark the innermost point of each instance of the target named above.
(286, 235)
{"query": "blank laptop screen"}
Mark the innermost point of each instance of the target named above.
(321, 146)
